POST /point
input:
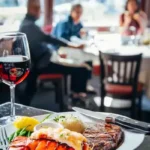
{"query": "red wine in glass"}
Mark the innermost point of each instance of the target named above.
(14, 65)
(14, 69)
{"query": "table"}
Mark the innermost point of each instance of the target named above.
(30, 111)
(21, 110)
(111, 43)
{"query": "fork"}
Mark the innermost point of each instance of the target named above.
(4, 138)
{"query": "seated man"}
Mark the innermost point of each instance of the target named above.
(70, 26)
(41, 54)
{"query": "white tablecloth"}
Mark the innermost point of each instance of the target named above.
(91, 53)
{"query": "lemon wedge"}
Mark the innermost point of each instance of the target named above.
(28, 122)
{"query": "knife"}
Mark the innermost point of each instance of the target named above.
(116, 119)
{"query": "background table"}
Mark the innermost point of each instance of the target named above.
(22, 110)
(111, 43)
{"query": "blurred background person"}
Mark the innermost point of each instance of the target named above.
(133, 21)
(72, 25)
(41, 55)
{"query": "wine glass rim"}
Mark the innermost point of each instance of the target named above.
(12, 34)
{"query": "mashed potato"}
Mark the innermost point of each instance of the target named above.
(70, 122)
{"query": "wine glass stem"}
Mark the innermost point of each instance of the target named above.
(12, 96)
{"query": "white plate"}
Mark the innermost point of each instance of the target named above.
(131, 141)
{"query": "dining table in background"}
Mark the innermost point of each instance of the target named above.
(22, 110)
(111, 43)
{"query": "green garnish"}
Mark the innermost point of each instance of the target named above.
(19, 132)
(61, 135)
(11, 137)
(29, 133)
(47, 117)
(68, 134)
(23, 133)
(58, 118)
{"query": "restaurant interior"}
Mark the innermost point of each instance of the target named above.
(98, 56)
(74, 74)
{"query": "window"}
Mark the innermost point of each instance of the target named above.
(12, 3)
(96, 12)
(12, 12)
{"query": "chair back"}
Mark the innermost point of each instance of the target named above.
(118, 69)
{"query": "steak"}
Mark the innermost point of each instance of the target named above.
(103, 136)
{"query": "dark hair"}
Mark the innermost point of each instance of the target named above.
(137, 2)
(76, 6)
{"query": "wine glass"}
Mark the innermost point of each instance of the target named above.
(14, 65)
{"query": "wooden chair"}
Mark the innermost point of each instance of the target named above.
(121, 81)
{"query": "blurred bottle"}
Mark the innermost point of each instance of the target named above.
(132, 37)
(146, 37)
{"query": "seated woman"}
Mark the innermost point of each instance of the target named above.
(133, 21)
(71, 26)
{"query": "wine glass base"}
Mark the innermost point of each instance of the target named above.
(6, 120)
